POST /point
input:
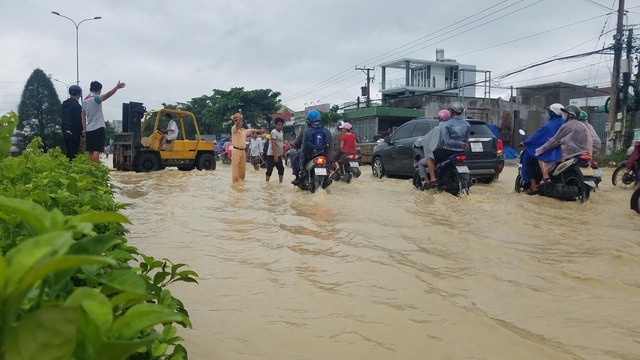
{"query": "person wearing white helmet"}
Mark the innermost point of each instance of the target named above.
(572, 138)
(533, 168)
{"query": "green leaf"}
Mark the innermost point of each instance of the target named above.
(126, 297)
(158, 349)
(140, 317)
(45, 334)
(120, 350)
(169, 332)
(60, 263)
(125, 280)
(94, 217)
(165, 297)
(119, 255)
(160, 276)
(175, 267)
(94, 245)
(95, 304)
(3, 276)
(34, 216)
(31, 251)
(186, 273)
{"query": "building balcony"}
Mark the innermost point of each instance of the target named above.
(415, 85)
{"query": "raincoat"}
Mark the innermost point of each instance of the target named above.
(539, 138)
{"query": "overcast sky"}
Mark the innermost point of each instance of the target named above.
(173, 51)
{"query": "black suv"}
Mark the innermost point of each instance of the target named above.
(395, 155)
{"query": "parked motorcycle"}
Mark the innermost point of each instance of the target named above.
(349, 167)
(451, 174)
(627, 176)
(317, 175)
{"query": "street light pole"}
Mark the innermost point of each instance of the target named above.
(65, 84)
(77, 25)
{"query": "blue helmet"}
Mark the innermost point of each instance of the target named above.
(313, 116)
(339, 125)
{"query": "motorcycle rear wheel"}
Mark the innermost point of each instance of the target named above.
(463, 184)
(623, 179)
(519, 187)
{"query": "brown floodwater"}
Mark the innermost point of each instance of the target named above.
(378, 270)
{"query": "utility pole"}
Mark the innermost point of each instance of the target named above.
(366, 90)
(627, 128)
(612, 142)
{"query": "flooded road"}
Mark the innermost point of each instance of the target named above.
(378, 270)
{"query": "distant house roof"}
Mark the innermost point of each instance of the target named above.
(284, 114)
(416, 63)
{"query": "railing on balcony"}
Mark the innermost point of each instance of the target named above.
(419, 83)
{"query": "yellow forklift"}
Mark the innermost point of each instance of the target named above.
(137, 147)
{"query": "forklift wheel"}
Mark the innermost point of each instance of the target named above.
(148, 162)
(206, 162)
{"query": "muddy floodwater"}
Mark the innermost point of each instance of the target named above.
(378, 270)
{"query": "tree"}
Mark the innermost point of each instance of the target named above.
(213, 113)
(39, 111)
(109, 131)
(331, 117)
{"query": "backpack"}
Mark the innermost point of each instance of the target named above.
(317, 142)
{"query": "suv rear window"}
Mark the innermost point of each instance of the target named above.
(421, 129)
(404, 131)
(480, 129)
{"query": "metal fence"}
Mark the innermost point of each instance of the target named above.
(599, 123)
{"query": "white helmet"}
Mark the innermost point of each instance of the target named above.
(556, 108)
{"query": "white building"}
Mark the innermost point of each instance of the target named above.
(417, 77)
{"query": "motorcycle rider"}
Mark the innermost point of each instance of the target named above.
(455, 139)
(335, 138)
(431, 142)
(573, 137)
(597, 143)
(316, 141)
(533, 165)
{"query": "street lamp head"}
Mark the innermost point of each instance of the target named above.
(97, 18)
(55, 12)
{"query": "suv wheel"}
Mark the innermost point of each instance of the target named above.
(377, 168)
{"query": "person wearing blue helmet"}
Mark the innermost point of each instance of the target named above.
(315, 141)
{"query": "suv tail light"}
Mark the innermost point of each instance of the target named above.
(499, 146)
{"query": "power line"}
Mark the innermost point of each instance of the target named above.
(598, 4)
(342, 78)
(311, 89)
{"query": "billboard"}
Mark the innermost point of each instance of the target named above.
(590, 101)
(319, 107)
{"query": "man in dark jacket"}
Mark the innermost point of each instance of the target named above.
(70, 112)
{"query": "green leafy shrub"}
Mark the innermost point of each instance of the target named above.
(70, 285)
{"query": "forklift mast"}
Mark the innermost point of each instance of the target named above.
(132, 114)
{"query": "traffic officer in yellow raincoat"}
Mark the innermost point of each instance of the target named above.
(238, 154)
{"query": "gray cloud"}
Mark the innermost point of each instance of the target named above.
(170, 51)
